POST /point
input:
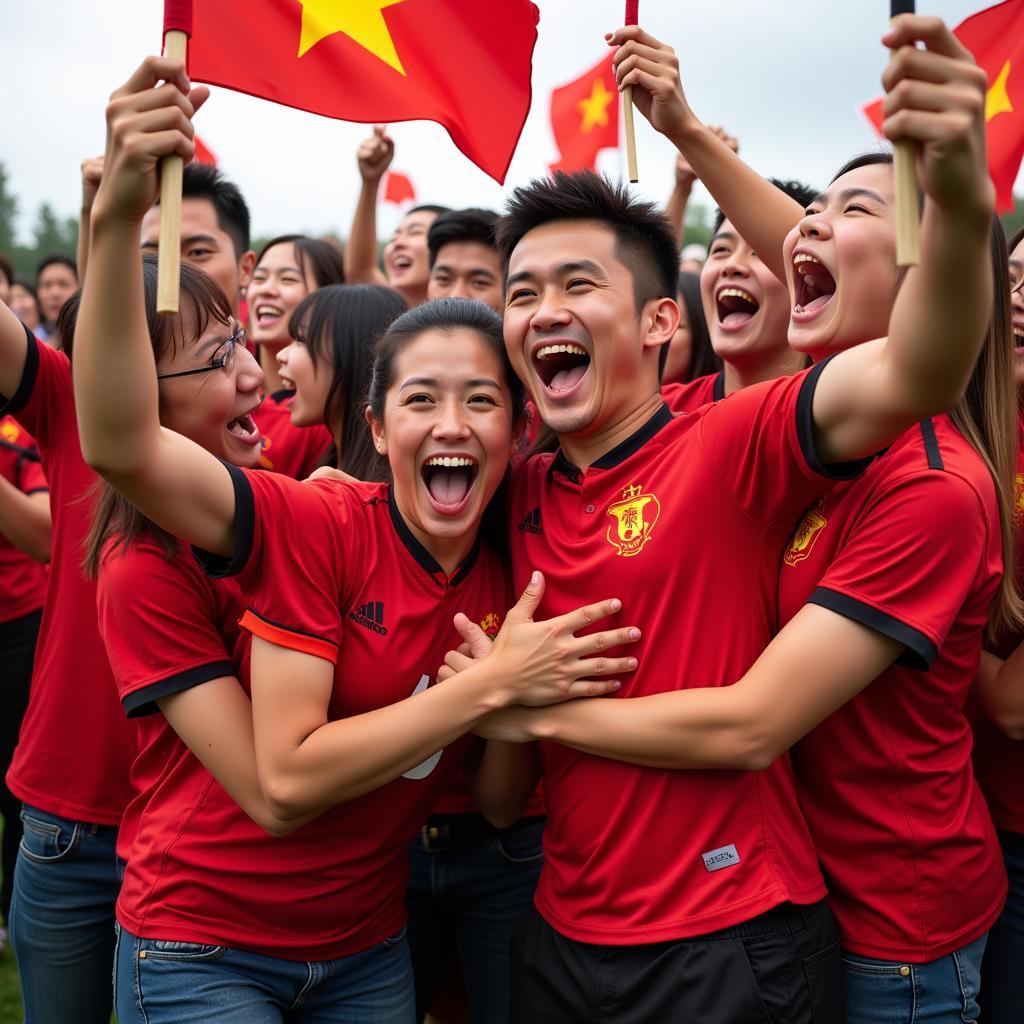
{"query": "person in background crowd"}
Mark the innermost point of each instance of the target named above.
(463, 260)
(24, 303)
(56, 281)
(689, 354)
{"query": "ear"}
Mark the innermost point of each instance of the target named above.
(377, 432)
(658, 322)
(246, 265)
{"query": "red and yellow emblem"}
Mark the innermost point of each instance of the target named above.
(635, 517)
(490, 624)
(806, 534)
(9, 431)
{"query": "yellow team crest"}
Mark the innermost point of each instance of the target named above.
(490, 624)
(9, 432)
(806, 534)
(1018, 496)
(635, 516)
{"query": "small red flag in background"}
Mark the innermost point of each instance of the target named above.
(463, 63)
(398, 188)
(203, 153)
(585, 117)
(996, 38)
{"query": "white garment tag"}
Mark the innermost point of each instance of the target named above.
(723, 857)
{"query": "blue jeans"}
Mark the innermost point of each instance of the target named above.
(478, 893)
(1002, 991)
(62, 918)
(941, 991)
(157, 982)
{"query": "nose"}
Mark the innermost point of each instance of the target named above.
(282, 355)
(815, 225)
(550, 312)
(248, 372)
(451, 423)
(460, 290)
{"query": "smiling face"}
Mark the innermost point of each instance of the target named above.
(447, 433)
(572, 330)
(746, 306)
(279, 284)
(406, 257)
(1017, 301)
(55, 285)
(215, 408)
(309, 384)
(841, 264)
(468, 270)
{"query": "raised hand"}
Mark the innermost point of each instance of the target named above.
(92, 173)
(375, 154)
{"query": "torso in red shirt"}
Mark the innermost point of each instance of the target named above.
(22, 578)
(691, 396)
(285, 448)
(330, 569)
(75, 748)
(685, 522)
(912, 550)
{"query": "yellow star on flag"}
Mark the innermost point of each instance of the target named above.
(595, 108)
(361, 20)
(997, 100)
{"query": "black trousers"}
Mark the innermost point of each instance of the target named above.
(782, 967)
(17, 649)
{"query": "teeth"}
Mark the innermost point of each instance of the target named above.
(450, 462)
(739, 294)
(551, 350)
(802, 258)
(268, 311)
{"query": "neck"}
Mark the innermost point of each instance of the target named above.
(413, 296)
(268, 363)
(584, 451)
(780, 364)
(448, 552)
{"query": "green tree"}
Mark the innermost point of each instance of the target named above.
(697, 228)
(52, 235)
(1014, 220)
(8, 213)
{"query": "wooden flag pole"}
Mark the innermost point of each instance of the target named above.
(904, 168)
(632, 14)
(171, 171)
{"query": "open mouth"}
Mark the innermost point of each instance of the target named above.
(400, 263)
(449, 479)
(814, 284)
(266, 313)
(736, 306)
(561, 366)
(287, 384)
(245, 429)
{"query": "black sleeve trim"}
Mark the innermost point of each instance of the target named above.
(805, 432)
(217, 567)
(931, 445)
(718, 389)
(919, 652)
(28, 379)
(143, 702)
(38, 490)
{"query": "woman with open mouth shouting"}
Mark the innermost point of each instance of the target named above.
(349, 615)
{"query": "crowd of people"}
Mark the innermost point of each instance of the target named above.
(544, 626)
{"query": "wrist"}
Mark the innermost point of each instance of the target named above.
(103, 216)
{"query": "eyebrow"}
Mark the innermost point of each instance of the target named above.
(847, 194)
(282, 270)
(431, 382)
(472, 272)
(731, 235)
(586, 266)
(190, 240)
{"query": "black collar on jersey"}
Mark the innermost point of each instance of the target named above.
(622, 451)
(718, 390)
(421, 554)
(20, 398)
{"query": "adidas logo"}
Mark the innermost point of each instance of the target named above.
(370, 616)
(530, 523)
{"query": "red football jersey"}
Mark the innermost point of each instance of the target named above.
(75, 748)
(22, 578)
(912, 550)
(685, 522)
(691, 396)
(360, 591)
(285, 448)
(998, 760)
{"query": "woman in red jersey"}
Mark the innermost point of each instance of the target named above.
(887, 587)
(351, 611)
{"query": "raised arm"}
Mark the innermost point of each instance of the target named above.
(13, 351)
(685, 176)
(170, 479)
(92, 172)
(360, 254)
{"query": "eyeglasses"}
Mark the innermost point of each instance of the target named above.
(222, 359)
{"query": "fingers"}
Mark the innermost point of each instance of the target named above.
(595, 643)
(153, 70)
(604, 666)
(920, 65)
(908, 29)
(523, 609)
(587, 615)
(457, 661)
(444, 673)
(592, 688)
(478, 641)
(633, 33)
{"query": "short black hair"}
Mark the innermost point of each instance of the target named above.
(427, 208)
(644, 240)
(803, 194)
(202, 181)
(472, 225)
(56, 259)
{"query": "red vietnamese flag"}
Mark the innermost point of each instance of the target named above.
(995, 37)
(463, 63)
(585, 117)
(203, 153)
(398, 188)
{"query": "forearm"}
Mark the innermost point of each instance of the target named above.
(82, 251)
(675, 209)
(25, 520)
(762, 214)
(505, 780)
(360, 255)
(1000, 692)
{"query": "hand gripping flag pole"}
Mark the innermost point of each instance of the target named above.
(908, 221)
(632, 14)
(177, 29)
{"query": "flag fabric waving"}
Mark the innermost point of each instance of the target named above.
(204, 155)
(398, 188)
(585, 117)
(996, 38)
(462, 63)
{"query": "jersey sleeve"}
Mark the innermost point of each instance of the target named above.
(44, 402)
(158, 623)
(910, 561)
(29, 477)
(760, 442)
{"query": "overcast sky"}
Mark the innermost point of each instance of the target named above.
(787, 78)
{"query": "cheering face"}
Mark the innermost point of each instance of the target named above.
(56, 284)
(1017, 300)
(406, 257)
(447, 434)
(214, 407)
(746, 306)
(205, 245)
(309, 384)
(468, 270)
(279, 284)
(841, 264)
(571, 326)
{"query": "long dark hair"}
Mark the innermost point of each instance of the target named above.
(338, 325)
(114, 517)
(448, 316)
(703, 359)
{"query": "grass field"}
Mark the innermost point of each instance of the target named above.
(10, 994)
